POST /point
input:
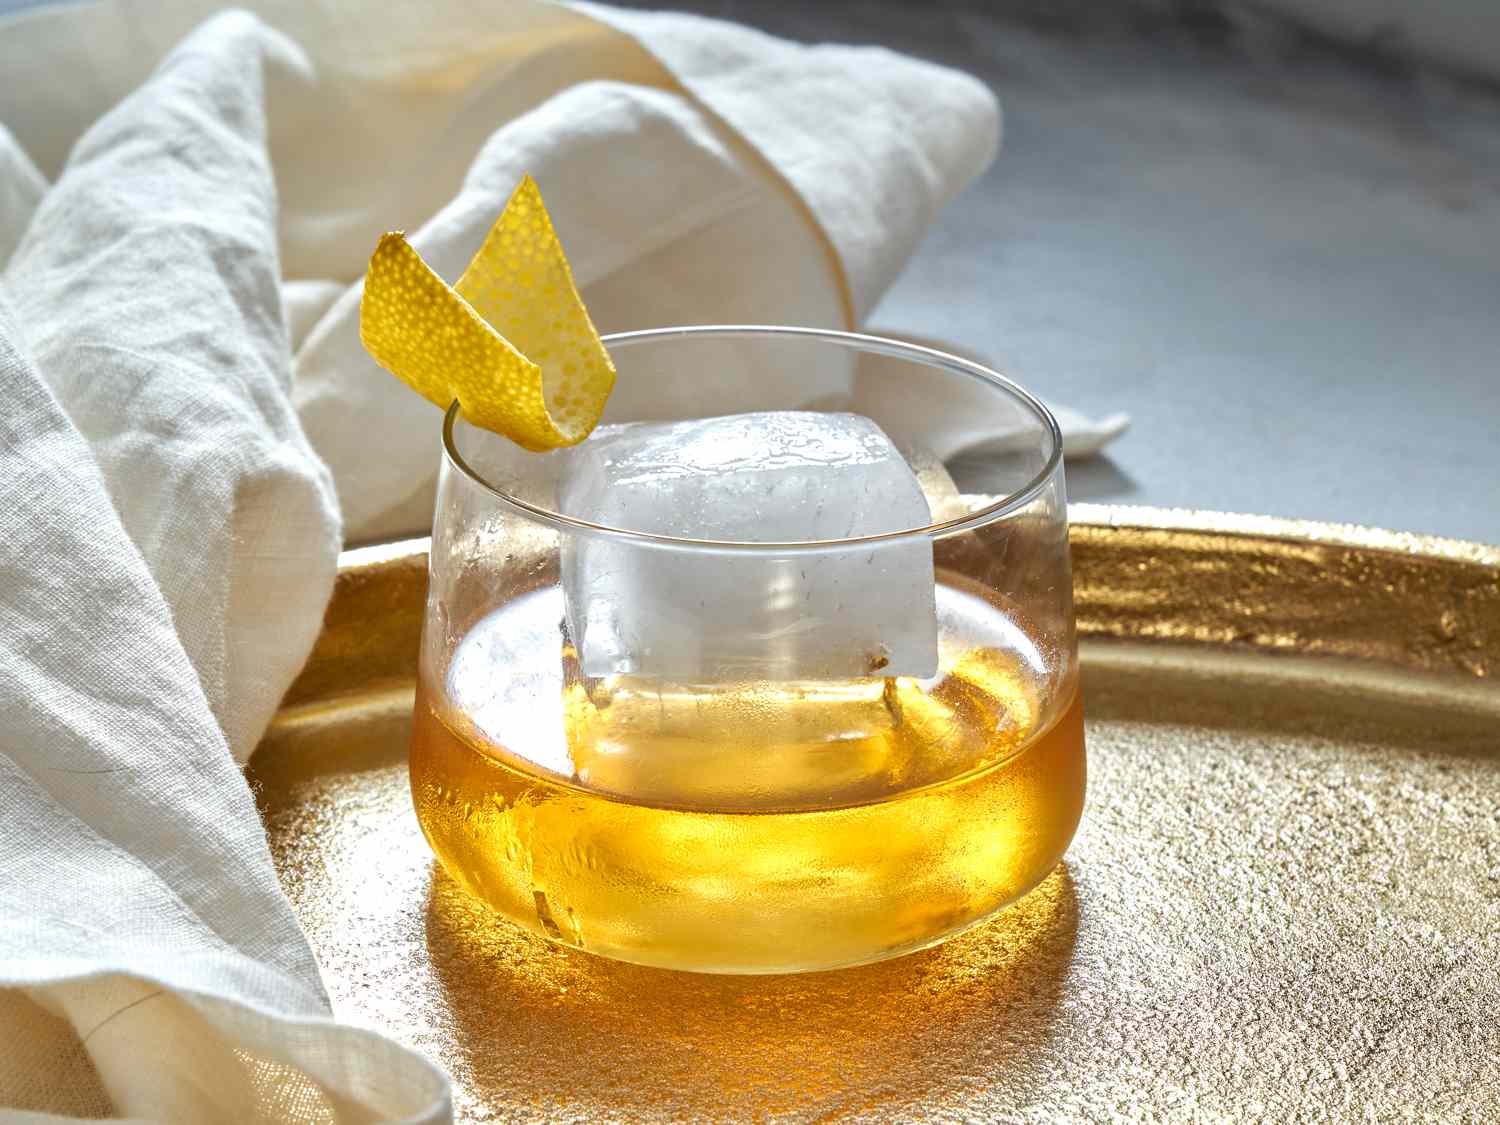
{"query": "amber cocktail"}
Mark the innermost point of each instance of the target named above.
(745, 683)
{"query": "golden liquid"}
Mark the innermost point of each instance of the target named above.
(748, 827)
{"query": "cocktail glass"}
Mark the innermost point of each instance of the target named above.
(776, 819)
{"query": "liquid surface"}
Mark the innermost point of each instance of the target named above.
(749, 827)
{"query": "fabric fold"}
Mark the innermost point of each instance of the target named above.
(148, 288)
(873, 142)
(21, 189)
(139, 896)
(167, 544)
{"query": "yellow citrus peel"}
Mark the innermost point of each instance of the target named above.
(511, 341)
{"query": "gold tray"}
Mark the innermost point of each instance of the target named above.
(1284, 902)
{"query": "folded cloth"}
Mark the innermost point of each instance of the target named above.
(802, 177)
(167, 541)
(184, 220)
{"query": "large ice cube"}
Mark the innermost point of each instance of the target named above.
(705, 615)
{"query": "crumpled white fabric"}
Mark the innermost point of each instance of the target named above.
(186, 205)
(802, 177)
(167, 543)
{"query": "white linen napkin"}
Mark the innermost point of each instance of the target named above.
(167, 543)
(802, 177)
(184, 219)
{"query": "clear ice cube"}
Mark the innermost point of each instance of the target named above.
(705, 615)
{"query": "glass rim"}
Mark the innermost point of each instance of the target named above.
(997, 509)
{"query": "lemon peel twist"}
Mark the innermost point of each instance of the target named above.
(511, 341)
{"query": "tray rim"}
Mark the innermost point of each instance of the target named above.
(1286, 529)
(1269, 584)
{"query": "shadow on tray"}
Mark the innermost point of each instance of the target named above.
(560, 1030)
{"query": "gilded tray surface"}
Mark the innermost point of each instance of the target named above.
(1284, 902)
